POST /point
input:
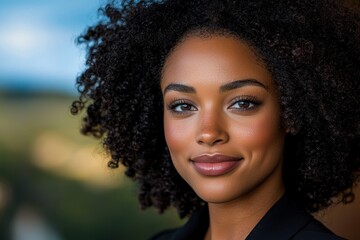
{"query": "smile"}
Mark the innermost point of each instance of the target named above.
(215, 165)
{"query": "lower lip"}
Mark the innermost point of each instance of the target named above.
(215, 169)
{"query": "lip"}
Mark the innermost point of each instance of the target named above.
(215, 165)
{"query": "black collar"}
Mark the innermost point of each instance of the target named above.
(283, 221)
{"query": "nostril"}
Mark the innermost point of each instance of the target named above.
(217, 141)
(212, 134)
(208, 140)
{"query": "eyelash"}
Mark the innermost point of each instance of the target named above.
(180, 102)
(251, 101)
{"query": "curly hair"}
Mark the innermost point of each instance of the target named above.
(311, 47)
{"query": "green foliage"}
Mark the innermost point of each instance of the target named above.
(74, 208)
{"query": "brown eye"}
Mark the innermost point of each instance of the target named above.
(244, 104)
(181, 107)
(184, 107)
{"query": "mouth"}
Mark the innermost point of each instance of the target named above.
(215, 165)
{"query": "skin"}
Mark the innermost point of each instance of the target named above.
(219, 98)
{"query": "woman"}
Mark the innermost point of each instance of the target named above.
(241, 114)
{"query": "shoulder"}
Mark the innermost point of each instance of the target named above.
(285, 220)
(194, 229)
(315, 230)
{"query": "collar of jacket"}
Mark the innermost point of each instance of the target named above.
(282, 221)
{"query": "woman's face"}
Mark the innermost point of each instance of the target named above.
(222, 119)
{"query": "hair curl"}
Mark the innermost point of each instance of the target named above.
(312, 48)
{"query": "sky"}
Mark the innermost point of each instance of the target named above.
(37, 42)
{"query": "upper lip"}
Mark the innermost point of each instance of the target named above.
(205, 158)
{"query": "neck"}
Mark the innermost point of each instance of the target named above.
(236, 219)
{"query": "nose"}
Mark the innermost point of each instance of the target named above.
(212, 129)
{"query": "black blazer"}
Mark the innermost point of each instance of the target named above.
(282, 222)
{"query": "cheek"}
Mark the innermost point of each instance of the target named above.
(177, 135)
(260, 131)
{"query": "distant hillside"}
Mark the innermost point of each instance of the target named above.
(35, 93)
(30, 85)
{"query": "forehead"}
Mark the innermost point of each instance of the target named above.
(212, 58)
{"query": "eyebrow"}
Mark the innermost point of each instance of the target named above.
(224, 88)
(179, 88)
(242, 83)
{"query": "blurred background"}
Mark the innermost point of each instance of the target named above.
(54, 182)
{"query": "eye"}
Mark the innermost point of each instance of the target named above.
(181, 107)
(242, 105)
(245, 103)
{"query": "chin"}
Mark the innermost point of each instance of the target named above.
(217, 193)
(219, 199)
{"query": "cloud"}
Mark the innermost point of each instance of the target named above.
(38, 41)
(38, 49)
